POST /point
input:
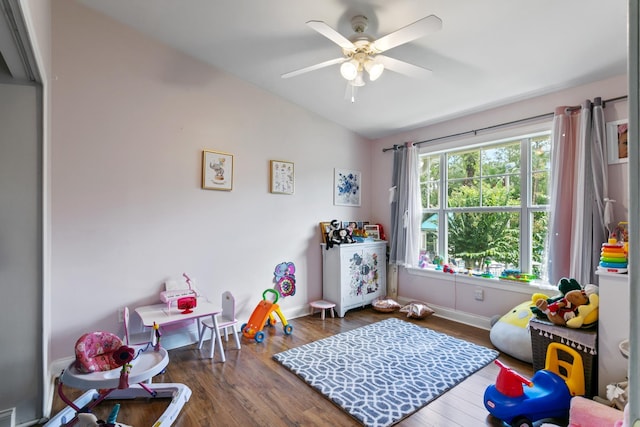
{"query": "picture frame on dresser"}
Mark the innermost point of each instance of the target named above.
(324, 229)
(373, 231)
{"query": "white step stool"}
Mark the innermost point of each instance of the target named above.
(322, 305)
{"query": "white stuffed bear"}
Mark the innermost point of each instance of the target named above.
(90, 420)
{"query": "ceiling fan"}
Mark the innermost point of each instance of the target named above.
(362, 53)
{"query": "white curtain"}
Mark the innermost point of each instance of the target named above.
(579, 202)
(405, 207)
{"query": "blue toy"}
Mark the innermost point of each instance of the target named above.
(547, 395)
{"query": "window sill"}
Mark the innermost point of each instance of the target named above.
(495, 283)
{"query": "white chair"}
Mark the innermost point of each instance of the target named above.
(226, 320)
(137, 338)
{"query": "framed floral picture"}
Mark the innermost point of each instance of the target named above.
(617, 134)
(281, 177)
(217, 170)
(346, 187)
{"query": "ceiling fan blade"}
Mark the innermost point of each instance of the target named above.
(420, 28)
(331, 34)
(403, 67)
(314, 67)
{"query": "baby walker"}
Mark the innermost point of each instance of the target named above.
(547, 395)
(103, 363)
(263, 316)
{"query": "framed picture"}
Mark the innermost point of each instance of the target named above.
(217, 170)
(281, 177)
(372, 231)
(617, 134)
(346, 187)
(324, 229)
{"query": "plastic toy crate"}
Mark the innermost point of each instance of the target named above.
(584, 341)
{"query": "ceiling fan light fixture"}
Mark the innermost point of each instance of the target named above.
(374, 68)
(349, 69)
(358, 81)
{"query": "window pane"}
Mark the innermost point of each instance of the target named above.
(485, 240)
(539, 244)
(430, 181)
(501, 159)
(540, 188)
(503, 190)
(463, 193)
(429, 238)
(540, 167)
(463, 164)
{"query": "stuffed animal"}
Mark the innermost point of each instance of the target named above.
(337, 235)
(575, 309)
(564, 286)
(87, 419)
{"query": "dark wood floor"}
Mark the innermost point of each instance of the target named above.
(251, 389)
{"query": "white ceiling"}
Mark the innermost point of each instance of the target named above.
(488, 53)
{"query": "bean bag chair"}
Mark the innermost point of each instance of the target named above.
(510, 333)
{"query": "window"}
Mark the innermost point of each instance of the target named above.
(486, 207)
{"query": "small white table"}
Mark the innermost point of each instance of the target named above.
(160, 315)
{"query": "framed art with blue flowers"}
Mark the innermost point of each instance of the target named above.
(346, 187)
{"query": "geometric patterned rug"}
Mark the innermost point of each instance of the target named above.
(384, 372)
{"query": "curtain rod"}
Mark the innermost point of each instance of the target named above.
(475, 131)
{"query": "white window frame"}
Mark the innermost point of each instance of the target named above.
(526, 209)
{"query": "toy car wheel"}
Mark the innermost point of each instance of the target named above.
(288, 330)
(268, 323)
(244, 325)
(259, 336)
(521, 422)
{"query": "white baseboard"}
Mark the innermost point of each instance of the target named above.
(8, 417)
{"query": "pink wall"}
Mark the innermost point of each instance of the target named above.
(130, 120)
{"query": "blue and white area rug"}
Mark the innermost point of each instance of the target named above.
(383, 372)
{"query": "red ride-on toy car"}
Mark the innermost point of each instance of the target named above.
(547, 395)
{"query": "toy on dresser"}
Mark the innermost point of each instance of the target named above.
(183, 294)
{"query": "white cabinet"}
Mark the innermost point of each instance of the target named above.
(613, 328)
(354, 274)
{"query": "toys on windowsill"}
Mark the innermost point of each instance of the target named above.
(438, 261)
(517, 276)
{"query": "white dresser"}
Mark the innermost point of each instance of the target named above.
(354, 274)
(613, 328)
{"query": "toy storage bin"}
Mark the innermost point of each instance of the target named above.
(584, 341)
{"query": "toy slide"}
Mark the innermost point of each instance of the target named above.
(263, 315)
